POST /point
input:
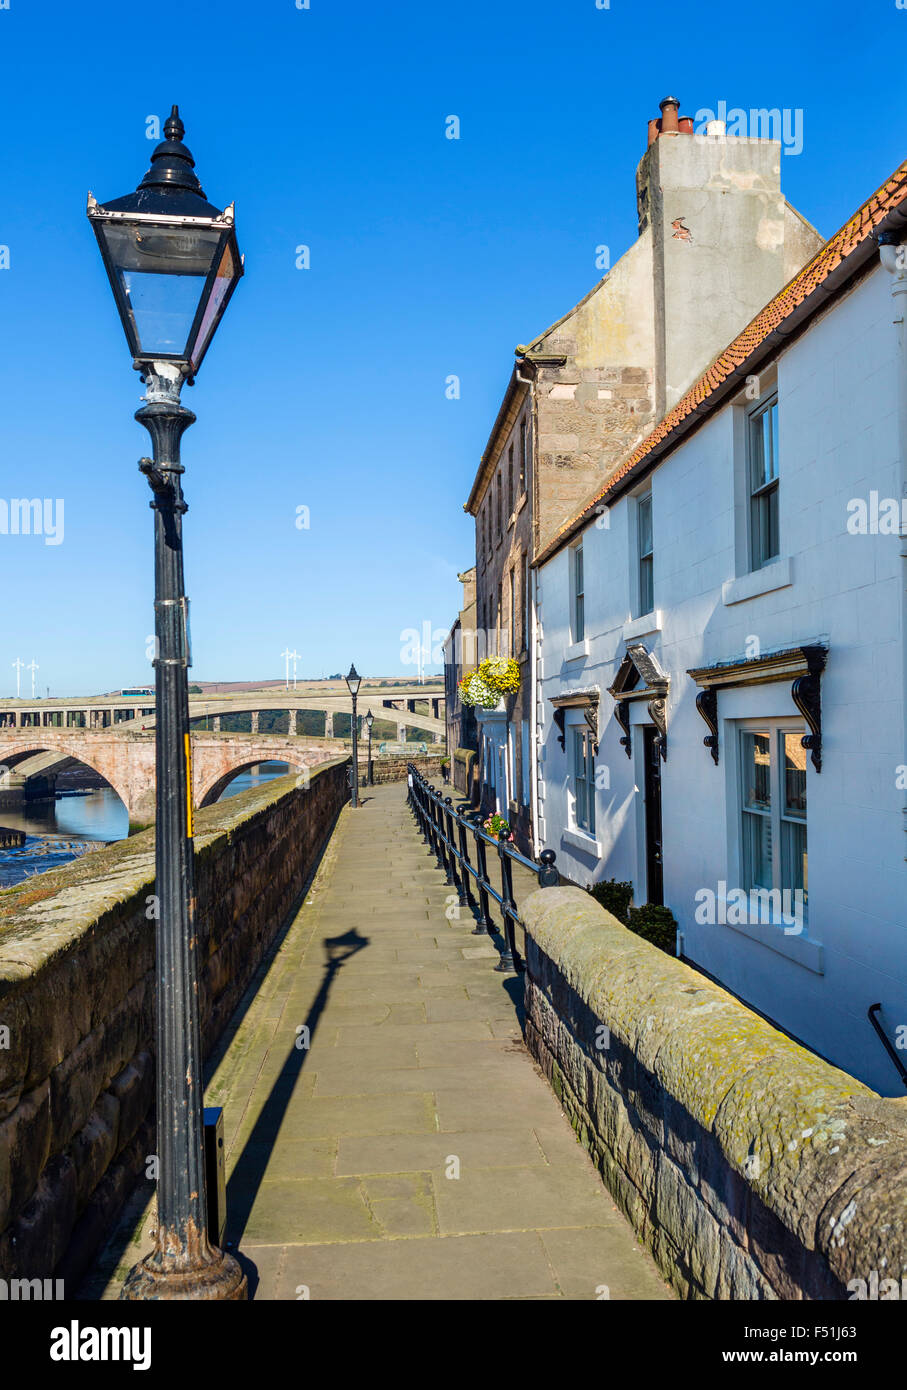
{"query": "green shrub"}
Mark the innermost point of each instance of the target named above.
(656, 925)
(614, 897)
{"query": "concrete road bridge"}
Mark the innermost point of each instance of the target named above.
(395, 703)
(31, 758)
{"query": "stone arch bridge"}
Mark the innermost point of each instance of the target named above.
(125, 759)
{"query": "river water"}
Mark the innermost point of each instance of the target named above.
(63, 829)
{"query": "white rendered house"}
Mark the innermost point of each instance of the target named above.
(722, 660)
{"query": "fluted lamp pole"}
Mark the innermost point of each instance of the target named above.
(173, 263)
(369, 721)
(353, 682)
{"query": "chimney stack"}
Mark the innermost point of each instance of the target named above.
(723, 241)
(670, 123)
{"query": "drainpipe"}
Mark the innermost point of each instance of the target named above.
(533, 634)
(893, 255)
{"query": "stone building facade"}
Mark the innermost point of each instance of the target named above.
(716, 240)
(460, 654)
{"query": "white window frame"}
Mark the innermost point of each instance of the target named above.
(525, 771)
(774, 728)
(767, 403)
(577, 593)
(582, 774)
(645, 603)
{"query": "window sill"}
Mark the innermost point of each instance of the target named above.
(580, 840)
(764, 581)
(796, 947)
(577, 651)
(642, 626)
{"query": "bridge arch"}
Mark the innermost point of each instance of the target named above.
(56, 755)
(221, 782)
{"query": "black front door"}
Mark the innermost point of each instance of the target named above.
(654, 867)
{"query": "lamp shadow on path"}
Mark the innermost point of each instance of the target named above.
(250, 1168)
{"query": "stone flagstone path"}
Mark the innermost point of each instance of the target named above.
(412, 1150)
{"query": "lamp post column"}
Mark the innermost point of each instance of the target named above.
(183, 1263)
(355, 729)
(370, 778)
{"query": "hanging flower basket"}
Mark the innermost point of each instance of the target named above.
(502, 673)
(496, 678)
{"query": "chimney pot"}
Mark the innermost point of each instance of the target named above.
(669, 108)
(686, 125)
(653, 131)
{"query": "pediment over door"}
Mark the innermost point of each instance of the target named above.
(639, 677)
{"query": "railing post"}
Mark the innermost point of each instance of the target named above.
(423, 817)
(486, 925)
(455, 868)
(548, 874)
(436, 831)
(508, 911)
(468, 898)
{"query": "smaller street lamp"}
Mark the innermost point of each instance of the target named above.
(353, 682)
(369, 720)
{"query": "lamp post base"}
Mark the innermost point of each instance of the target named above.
(217, 1279)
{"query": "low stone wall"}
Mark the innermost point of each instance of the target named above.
(77, 1000)
(749, 1167)
(464, 771)
(392, 769)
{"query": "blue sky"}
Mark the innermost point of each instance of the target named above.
(325, 388)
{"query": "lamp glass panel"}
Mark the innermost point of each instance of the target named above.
(226, 274)
(162, 273)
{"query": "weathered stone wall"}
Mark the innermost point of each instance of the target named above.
(392, 769)
(751, 1168)
(77, 1000)
(464, 764)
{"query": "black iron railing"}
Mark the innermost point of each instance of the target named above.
(871, 1015)
(448, 832)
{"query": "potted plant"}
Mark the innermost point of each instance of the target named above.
(497, 827)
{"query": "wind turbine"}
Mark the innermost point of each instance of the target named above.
(33, 668)
(287, 654)
(295, 655)
(19, 665)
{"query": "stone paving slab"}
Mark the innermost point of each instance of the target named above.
(412, 1150)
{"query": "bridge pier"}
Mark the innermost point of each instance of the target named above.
(401, 733)
(255, 721)
(12, 791)
(291, 723)
(41, 787)
(328, 724)
(216, 724)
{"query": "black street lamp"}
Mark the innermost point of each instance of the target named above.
(369, 720)
(353, 682)
(173, 263)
